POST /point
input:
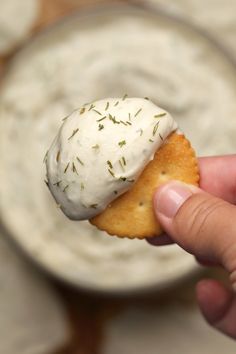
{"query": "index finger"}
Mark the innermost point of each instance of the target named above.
(218, 176)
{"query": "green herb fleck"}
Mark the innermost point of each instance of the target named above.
(111, 172)
(123, 160)
(109, 164)
(58, 156)
(82, 110)
(160, 137)
(67, 166)
(100, 126)
(74, 168)
(94, 206)
(146, 98)
(96, 147)
(151, 141)
(138, 112)
(65, 187)
(160, 115)
(155, 129)
(123, 179)
(97, 112)
(65, 118)
(124, 97)
(140, 131)
(121, 165)
(45, 157)
(91, 107)
(99, 120)
(113, 119)
(57, 183)
(129, 116)
(80, 161)
(121, 121)
(127, 122)
(122, 143)
(73, 133)
(107, 106)
(116, 104)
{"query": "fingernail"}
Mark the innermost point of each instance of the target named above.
(170, 197)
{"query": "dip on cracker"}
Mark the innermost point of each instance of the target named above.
(108, 158)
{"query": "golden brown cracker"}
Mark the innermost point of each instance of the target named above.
(131, 215)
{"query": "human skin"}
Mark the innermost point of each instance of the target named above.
(203, 222)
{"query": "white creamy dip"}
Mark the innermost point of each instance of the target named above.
(17, 18)
(100, 151)
(104, 55)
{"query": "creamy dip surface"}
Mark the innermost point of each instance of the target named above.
(17, 18)
(82, 61)
(100, 151)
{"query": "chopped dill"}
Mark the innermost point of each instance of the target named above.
(99, 120)
(111, 172)
(122, 143)
(161, 137)
(74, 168)
(45, 157)
(95, 147)
(82, 110)
(95, 110)
(124, 97)
(140, 131)
(79, 160)
(160, 115)
(57, 183)
(121, 165)
(94, 206)
(100, 126)
(107, 106)
(58, 156)
(73, 133)
(123, 160)
(121, 121)
(151, 141)
(116, 104)
(155, 129)
(138, 112)
(113, 119)
(91, 107)
(109, 164)
(65, 187)
(66, 168)
(123, 179)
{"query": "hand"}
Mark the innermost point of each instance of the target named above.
(203, 222)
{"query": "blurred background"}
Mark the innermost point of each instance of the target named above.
(66, 288)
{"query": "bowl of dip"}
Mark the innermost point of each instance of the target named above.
(101, 52)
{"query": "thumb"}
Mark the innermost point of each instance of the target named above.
(199, 222)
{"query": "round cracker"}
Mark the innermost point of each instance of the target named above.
(131, 215)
